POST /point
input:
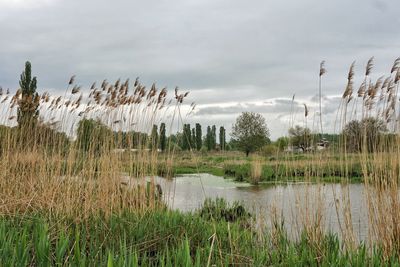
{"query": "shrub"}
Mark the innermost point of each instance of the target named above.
(220, 210)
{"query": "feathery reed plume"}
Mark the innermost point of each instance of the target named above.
(76, 89)
(349, 99)
(104, 84)
(390, 86)
(370, 90)
(116, 85)
(395, 66)
(361, 90)
(305, 110)
(386, 82)
(370, 65)
(349, 88)
(176, 92)
(93, 86)
(322, 69)
(379, 83)
(351, 72)
(71, 80)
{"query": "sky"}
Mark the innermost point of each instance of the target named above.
(232, 55)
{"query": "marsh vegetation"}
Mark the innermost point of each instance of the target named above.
(79, 186)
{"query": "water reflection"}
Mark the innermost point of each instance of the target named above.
(292, 201)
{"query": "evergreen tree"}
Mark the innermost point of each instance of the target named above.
(163, 138)
(213, 137)
(199, 141)
(186, 142)
(183, 141)
(209, 138)
(193, 139)
(154, 138)
(28, 112)
(222, 138)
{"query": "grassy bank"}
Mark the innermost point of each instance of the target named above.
(165, 238)
(282, 168)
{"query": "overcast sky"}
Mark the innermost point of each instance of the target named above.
(232, 55)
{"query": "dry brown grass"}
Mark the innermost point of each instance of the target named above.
(37, 171)
(256, 170)
(40, 169)
(380, 168)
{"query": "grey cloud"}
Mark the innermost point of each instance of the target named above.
(221, 110)
(315, 98)
(223, 51)
(272, 106)
(380, 5)
(286, 102)
(331, 105)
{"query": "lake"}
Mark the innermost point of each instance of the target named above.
(292, 201)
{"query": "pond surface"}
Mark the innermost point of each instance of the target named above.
(292, 202)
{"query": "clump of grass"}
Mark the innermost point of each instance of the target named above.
(218, 209)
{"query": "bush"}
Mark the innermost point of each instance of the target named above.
(220, 210)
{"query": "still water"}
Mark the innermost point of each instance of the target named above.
(292, 202)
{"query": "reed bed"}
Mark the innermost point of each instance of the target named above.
(69, 159)
(374, 109)
(64, 200)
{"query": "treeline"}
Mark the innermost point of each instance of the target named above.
(90, 132)
(193, 139)
(92, 135)
(367, 135)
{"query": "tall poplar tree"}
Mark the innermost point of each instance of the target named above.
(193, 139)
(187, 134)
(199, 135)
(154, 138)
(213, 137)
(222, 138)
(28, 105)
(209, 138)
(163, 137)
